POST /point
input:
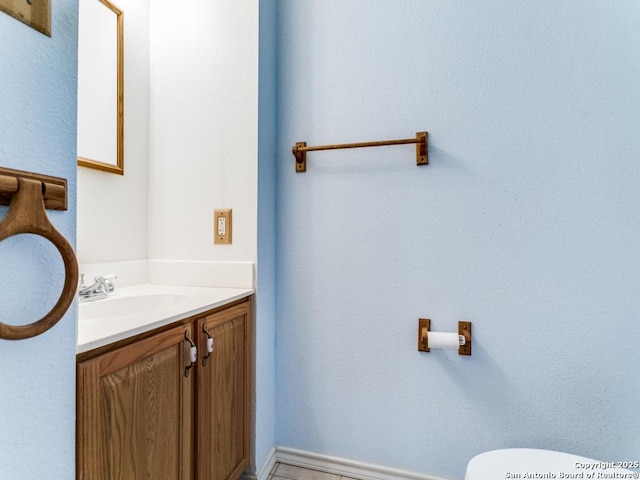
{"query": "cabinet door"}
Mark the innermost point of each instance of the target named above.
(223, 395)
(134, 411)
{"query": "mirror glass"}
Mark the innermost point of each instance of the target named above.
(101, 86)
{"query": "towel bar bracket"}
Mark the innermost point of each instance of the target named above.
(422, 153)
(301, 157)
(54, 189)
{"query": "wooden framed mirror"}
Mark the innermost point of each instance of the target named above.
(101, 86)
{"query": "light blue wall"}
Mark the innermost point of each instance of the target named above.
(266, 288)
(526, 222)
(38, 134)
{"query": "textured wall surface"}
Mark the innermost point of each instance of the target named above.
(112, 209)
(203, 128)
(38, 134)
(526, 222)
(266, 283)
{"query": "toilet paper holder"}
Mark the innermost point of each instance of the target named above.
(444, 340)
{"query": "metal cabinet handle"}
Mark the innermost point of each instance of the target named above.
(209, 345)
(193, 353)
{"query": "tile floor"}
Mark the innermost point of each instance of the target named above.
(282, 471)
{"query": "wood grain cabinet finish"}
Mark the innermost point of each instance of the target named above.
(135, 411)
(222, 420)
(140, 418)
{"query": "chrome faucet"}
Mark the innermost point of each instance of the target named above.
(102, 287)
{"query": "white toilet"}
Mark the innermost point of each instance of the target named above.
(533, 463)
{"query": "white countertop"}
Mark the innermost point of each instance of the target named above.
(166, 304)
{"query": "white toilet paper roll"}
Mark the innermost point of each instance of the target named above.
(444, 340)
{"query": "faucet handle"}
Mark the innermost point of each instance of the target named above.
(107, 282)
(111, 276)
(82, 284)
(104, 278)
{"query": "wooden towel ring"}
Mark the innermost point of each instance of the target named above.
(27, 214)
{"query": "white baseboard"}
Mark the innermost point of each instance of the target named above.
(265, 470)
(336, 465)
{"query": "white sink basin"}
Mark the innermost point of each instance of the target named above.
(114, 307)
(141, 308)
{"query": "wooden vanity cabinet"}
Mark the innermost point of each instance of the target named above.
(140, 417)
